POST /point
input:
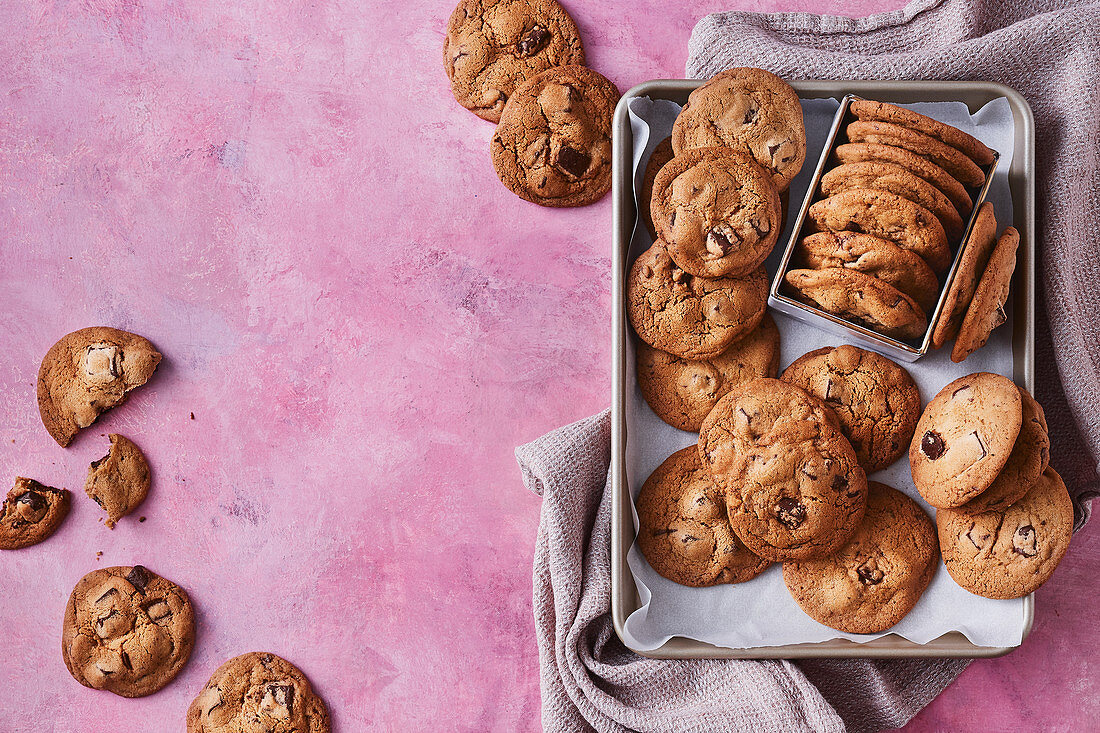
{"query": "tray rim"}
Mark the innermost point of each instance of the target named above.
(1022, 185)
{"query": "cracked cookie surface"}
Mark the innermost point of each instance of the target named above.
(258, 692)
(888, 216)
(717, 210)
(964, 438)
(962, 168)
(877, 257)
(750, 110)
(922, 167)
(965, 143)
(87, 373)
(31, 513)
(876, 400)
(1029, 458)
(494, 46)
(119, 481)
(793, 487)
(862, 299)
(986, 310)
(127, 630)
(553, 144)
(691, 317)
(682, 392)
(684, 531)
(1009, 553)
(877, 577)
(972, 262)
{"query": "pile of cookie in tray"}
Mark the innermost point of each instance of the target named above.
(779, 472)
(128, 630)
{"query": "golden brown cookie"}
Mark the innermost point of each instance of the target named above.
(31, 513)
(88, 372)
(684, 531)
(1029, 458)
(862, 299)
(750, 110)
(717, 210)
(257, 692)
(962, 168)
(987, 310)
(119, 481)
(975, 149)
(657, 159)
(553, 144)
(494, 46)
(972, 262)
(681, 392)
(924, 168)
(876, 578)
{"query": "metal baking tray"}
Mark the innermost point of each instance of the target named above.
(1021, 177)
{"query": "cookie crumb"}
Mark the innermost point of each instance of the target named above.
(192, 416)
(141, 519)
(99, 555)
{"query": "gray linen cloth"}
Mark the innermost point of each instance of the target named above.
(1048, 51)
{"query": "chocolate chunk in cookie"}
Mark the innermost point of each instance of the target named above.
(258, 691)
(31, 513)
(553, 144)
(878, 575)
(494, 46)
(1010, 552)
(987, 309)
(127, 630)
(118, 481)
(1029, 458)
(876, 400)
(750, 110)
(972, 262)
(962, 168)
(922, 167)
(793, 487)
(861, 299)
(688, 316)
(88, 372)
(684, 530)
(964, 438)
(682, 392)
(969, 145)
(717, 210)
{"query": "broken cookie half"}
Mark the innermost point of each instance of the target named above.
(119, 481)
(31, 513)
(87, 373)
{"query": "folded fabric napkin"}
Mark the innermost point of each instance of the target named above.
(1048, 51)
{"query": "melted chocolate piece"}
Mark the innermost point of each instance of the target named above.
(932, 445)
(573, 162)
(139, 577)
(533, 42)
(790, 512)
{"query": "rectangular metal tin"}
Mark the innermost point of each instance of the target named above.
(1021, 176)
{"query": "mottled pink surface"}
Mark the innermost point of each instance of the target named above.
(364, 322)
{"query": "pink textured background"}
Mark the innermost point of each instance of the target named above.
(287, 201)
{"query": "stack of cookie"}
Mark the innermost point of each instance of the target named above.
(892, 213)
(521, 64)
(981, 455)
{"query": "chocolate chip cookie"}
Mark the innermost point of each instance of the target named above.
(962, 168)
(876, 578)
(750, 110)
(258, 691)
(964, 438)
(118, 481)
(987, 310)
(793, 487)
(717, 210)
(879, 258)
(88, 372)
(876, 400)
(922, 167)
(682, 392)
(31, 513)
(1011, 552)
(127, 630)
(861, 299)
(899, 181)
(885, 215)
(1029, 458)
(972, 262)
(553, 144)
(969, 145)
(684, 531)
(494, 46)
(691, 317)
(657, 159)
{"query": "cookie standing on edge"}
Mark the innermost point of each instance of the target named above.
(987, 310)
(862, 299)
(661, 155)
(494, 46)
(969, 145)
(975, 256)
(922, 167)
(684, 531)
(258, 691)
(877, 577)
(962, 168)
(31, 513)
(119, 481)
(553, 144)
(87, 373)
(127, 630)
